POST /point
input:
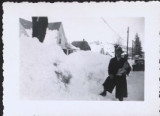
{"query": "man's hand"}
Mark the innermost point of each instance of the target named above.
(111, 76)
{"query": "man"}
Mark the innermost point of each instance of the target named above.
(117, 70)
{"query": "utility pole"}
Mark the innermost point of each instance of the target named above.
(127, 40)
(132, 48)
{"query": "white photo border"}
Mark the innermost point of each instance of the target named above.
(14, 106)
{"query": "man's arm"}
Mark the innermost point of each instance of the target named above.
(128, 69)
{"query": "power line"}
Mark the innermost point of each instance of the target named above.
(111, 28)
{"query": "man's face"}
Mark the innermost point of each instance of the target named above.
(118, 54)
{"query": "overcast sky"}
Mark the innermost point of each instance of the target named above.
(94, 29)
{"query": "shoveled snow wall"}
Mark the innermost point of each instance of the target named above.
(46, 73)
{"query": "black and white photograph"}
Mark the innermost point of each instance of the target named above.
(81, 59)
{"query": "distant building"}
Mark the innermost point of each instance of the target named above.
(61, 38)
(83, 45)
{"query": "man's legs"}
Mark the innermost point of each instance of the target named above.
(108, 85)
(120, 99)
(104, 93)
(120, 88)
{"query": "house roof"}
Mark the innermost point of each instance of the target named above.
(26, 24)
(23, 31)
(83, 45)
(54, 26)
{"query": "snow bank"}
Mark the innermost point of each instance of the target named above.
(47, 73)
(108, 48)
(89, 71)
(36, 66)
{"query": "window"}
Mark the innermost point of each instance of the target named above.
(59, 40)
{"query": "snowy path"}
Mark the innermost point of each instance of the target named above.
(135, 83)
(136, 86)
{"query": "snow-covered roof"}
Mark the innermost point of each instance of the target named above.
(26, 24)
(83, 45)
(73, 47)
(70, 46)
(54, 26)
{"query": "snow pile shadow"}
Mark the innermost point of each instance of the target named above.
(63, 76)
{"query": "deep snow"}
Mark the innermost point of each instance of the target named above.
(96, 46)
(46, 73)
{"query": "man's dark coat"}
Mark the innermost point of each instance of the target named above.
(119, 82)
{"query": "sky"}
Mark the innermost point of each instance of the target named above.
(95, 29)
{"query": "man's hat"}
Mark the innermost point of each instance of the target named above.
(119, 49)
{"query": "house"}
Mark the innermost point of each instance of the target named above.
(61, 38)
(23, 25)
(83, 45)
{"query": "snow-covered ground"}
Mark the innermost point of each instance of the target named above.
(135, 85)
(96, 46)
(48, 74)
